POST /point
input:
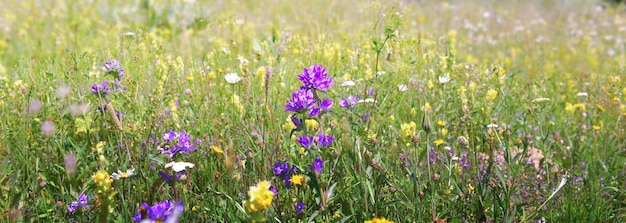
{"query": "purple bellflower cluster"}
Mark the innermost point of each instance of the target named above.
(306, 103)
(159, 212)
(82, 202)
(114, 68)
(177, 142)
(285, 171)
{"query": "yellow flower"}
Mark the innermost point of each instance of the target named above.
(439, 142)
(408, 129)
(311, 124)
(430, 85)
(217, 149)
(379, 220)
(491, 95)
(288, 126)
(444, 132)
(259, 197)
(99, 148)
(441, 123)
(427, 108)
(600, 107)
(297, 179)
(596, 127)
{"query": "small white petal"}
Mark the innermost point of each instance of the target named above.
(403, 87)
(367, 100)
(179, 166)
(232, 78)
(444, 79)
(492, 126)
(347, 84)
(582, 94)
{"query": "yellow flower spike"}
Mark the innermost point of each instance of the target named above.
(259, 197)
(491, 95)
(430, 85)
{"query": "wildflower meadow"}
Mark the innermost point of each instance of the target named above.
(312, 111)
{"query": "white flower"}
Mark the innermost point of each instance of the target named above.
(582, 94)
(179, 166)
(121, 175)
(347, 84)
(444, 79)
(380, 73)
(492, 126)
(402, 87)
(367, 100)
(232, 78)
(538, 100)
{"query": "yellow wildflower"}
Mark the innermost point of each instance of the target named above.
(600, 107)
(430, 84)
(379, 220)
(288, 126)
(312, 124)
(427, 108)
(408, 129)
(596, 127)
(491, 95)
(99, 148)
(441, 123)
(217, 149)
(444, 132)
(259, 197)
(297, 179)
(439, 142)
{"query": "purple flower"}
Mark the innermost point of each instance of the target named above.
(316, 77)
(179, 142)
(285, 171)
(301, 101)
(296, 121)
(82, 201)
(160, 212)
(324, 140)
(318, 166)
(326, 104)
(348, 102)
(305, 141)
(114, 67)
(300, 207)
(100, 89)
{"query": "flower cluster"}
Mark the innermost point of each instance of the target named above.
(80, 203)
(306, 102)
(259, 198)
(285, 171)
(159, 212)
(114, 68)
(177, 142)
(101, 89)
(348, 102)
(321, 140)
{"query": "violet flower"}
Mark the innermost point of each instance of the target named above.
(316, 77)
(301, 101)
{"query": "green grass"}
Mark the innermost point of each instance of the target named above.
(549, 76)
